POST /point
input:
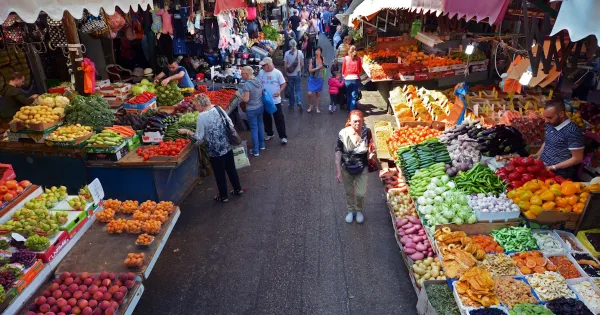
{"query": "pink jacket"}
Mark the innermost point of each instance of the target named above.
(334, 85)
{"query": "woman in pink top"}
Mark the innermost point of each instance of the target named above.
(335, 84)
(167, 21)
(351, 69)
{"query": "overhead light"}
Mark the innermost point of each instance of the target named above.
(469, 50)
(526, 77)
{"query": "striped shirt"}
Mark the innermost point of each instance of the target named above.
(560, 140)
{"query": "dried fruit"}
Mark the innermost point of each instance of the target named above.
(550, 285)
(512, 291)
(499, 265)
(565, 267)
(476, 288)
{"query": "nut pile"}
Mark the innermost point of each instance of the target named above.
(513, 291)
(550, 285)
(499, 265)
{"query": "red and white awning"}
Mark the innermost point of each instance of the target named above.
(28, 10)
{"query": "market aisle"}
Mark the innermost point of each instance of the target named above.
(284, 247)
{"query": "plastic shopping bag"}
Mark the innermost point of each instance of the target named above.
(240, 155)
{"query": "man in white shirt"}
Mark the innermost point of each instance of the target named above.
(273, 81)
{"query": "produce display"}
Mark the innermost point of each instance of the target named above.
(69, 132)
(571, 243)
(455, 131)
(532, 262)
(405, 136)
(144, 239)
(448, 240)
(568, 306)
(37, 243)
(479, 179)
(413, 238)
(124, 131)
(39, 221)
(588, 293)
(105, 215)
(441, 298)
(106, 138)
(589, 265)
(528, 308)
(165, 148)
(222, 97)
(482, 203)
(487, 243)
(486, 311)
(392, 178)
(521, 170)
(49, 199)
(7, 278)
(90, 111)
(401, 203)
(143, 86)
(499, 265)
(428, 269)
(419, 104)
(512, 291)
(421, 179)
(186, 121)
(159, 122)
(10, 189)
(565, 267)
(37, 114)
(134, 260)
(412, 158)
(441, 203)
(52, 100)
(78, 202)
(548, 244)
(168, 95)
(129, 206)
(23, 256)
(549, 286)
(129, 119)
(536, 196)
(84, 293)
(593, 237)
(464, 153)
(142, 98)
(476, 288)
(186, 106)
(515, 238)
(498, 140)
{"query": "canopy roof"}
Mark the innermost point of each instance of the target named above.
(579, 18)
(29, 10)
(345, 16)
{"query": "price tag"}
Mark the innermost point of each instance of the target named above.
(18, 237)
(96, 190)
(476, 110)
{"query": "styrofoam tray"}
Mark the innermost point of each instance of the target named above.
(566, 245)
(553, 235)
(570, 283)
(570, 258)
(578, 265)
(524, 279)
(538, 295)
(497, 216)
(466, 309)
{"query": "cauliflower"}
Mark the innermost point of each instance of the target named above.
(48, 101)
(60, 111)
(61, 101)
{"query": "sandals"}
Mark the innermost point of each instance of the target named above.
(219, 199)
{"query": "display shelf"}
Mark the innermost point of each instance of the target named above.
(28, 194)
(100, 251)
(133, 160)
(47, 272)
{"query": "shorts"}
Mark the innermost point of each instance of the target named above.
(315, 84)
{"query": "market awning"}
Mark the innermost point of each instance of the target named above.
(344, 17)
(224, 5)
(579, 18)
(370, 7)
(29, 10)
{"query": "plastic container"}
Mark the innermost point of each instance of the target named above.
(574, 245)
(524, 279)
(586, 300)
(570, 258)
(497, 216)
(466, 309)
(540, 297)
(579, 267)
(558, 251)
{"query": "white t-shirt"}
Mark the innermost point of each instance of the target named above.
(291, 58)
(272, 82)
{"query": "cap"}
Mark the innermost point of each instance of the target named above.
(266, 61)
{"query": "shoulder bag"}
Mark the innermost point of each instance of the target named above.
(373, 161)
(291, 68)
(232, 135)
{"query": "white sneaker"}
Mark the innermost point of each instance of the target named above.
(334, 108)
(350, 217)
(267, 138)
(284, 141)
(330, 109)
(359, 217)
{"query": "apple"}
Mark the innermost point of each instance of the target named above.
(40, 300)
(24, 183)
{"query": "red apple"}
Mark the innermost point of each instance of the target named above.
(87, 311)
(69, 281)
(83, 288)
(64, 276)
(107, 296)
(113, 289)
(102, 289)
(76, 310)
(40, 300)
(93, 303)
(73, 287)
(118, 296)
(61, 302)
(66, 309)
(82, 303)
(46, 293)
(86, 295)
(77, 294)
(53, 287)
(88, 281)
(106, 283)
(51, 301)
(93, 289)
(44, 308)
(104, 305)
(72, 302)
(57, 294)
(98, 296)
(25, 183)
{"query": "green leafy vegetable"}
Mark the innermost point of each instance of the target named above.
(441, 298)
(515, 238)
(90, 111)
(270, 32)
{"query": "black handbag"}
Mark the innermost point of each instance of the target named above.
(232, 135)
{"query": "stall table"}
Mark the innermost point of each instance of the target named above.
(100, 251)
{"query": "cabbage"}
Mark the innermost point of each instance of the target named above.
(445, 179)
(439, 190)
(436, 181)
(61, 101)
(458, 221)
(472, 219)
(448, 214)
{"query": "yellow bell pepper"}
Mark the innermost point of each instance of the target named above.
(525, 196)
(535, 209)
(547, 195)
(536, 200)
(548, 205)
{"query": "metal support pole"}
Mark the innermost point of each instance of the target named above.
(75, 53)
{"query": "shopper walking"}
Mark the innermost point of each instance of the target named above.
(251, 94)
(337, 37)
(351, 69)
(273, 81)
(335, 84)
(211, 128)
(351, 163)
(292, 65)
(295, 21)
(316, 76)
(342, 50)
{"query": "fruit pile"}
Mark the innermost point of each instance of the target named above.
(129, 206)
(565, 267)
(144, 239)
(412, 158)
(105, 215)
(49, 198)
(165, 206)
(151, 226)
(168, 95)
(69, 132)
(221, 97)
(52, 100)
(10, 189)
(112, 204)
(404, 136)
(532, 262)
(105, 138)
(117, 226)
(536, 196)
(37, 115)
(165, 148)
(142, 98)
(24, 257)
(147, 206)
(84, 294)
(140, 215)
(134, 260)
(133, 226)
(184, 107)
(143, 86)
(37, 243)
(39, 221)
(521, 170)
(7, 279)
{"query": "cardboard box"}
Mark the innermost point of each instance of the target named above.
(22, 127)
(139, 106)
(448, 73)
(28, 137)
(78, 143)
(28, 276)
(421, 76)
(105, 149)
(56, 244)
(79, 225)
(133, 142)
(478, 68)
(109, 156)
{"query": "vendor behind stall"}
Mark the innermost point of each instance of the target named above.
(176, 72)
(562, 150)
(14, 98)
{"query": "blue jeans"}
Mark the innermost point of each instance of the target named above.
(255, 119)
(352, 93)
(294, 90)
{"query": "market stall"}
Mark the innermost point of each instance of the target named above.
(483, 228)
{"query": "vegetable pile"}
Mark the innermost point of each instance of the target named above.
(499, 140)
(428, 269)
(221, 97)
(90, 111)
(515, 238)
(159, 122)
(487, 311)
(124, 131)
(168, 95)
(404, 136)
(142, 98)
(165, 148)
(454, 132)
(441, 298)
(529, 309)
(124, 118)
(412, 158)
(401, 203)
(105, 138)
(441, 204)
(422, 178)
(464, 153)
(521, 170)
(549, 286)
(513, 291)
(568, 306)
(479, 179)
(392, 178)
(413, 238)
(490, 203)
(186, 121)
(532, 262)
(536, 196)
(52, 100)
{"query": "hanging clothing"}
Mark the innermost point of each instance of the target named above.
(156, 22)
(211, 33)
(225, 22)
(167, 21)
